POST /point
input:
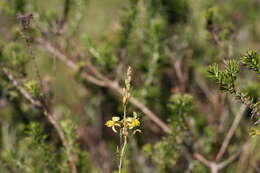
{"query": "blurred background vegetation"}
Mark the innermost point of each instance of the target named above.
(55, 53)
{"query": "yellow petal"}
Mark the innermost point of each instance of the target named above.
(137, 130)
(110, 123)
(115, 118)
(129, 119)
(117, 124)
(135, 114)
(114, 129)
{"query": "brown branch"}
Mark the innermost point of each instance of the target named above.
(202, 159)
(100, 80)
(229, 160)
(15, 83)
(47, 114)
(230, 133)
(62, 57)
(213, 166)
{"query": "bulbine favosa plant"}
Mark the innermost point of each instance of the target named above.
(128, 125)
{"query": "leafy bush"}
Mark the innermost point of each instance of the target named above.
(194, 86)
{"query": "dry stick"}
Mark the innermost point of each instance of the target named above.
(202, 159)
(104, 82)
(230, 159)
(62, 57)
(214, 166)
(15, 83)
(230, 133)
(211, 165)
(46, 113)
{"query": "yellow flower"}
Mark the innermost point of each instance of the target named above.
(113, 123)
(110, 123)
(254, 132)
(133, 121)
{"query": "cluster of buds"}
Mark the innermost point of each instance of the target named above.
(126, 90)
(129, 123)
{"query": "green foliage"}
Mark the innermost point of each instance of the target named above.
(163, 153)
(227, 78)
(14, 56)
(180, 107)
(176, 10)
(102, 56)
(181, 104)
(12, 7)
(127, 22)
(34, 143)
(252, 61)
(35, 134)
(168, 43)
(33, 88)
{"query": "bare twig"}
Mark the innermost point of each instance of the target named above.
(229, 160)
(46, 113)
(214, 166)
(211, 165)
(15, 83)
(100, 80)
(62, 57)
(202, 159)
(230, 133)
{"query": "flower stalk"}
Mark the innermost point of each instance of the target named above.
(128, 124)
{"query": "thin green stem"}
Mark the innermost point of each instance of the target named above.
(122, 154)
(124, 115)
(124, 131)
